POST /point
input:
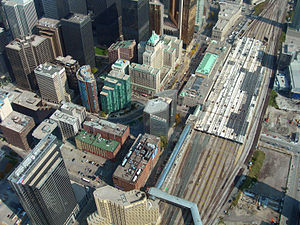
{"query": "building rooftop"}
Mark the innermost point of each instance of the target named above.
(11, 94)
(34, 157)
(294, 69)
(97, 141)
(48, 22)
(122, 44)
(207, 63)
(106, 126)
(118, 75)
(45, 128)
(143, 149)
(20, 43)
(76, 18)
(145, 68)
(154, 39)
(64, 117)
(157, 105)
(67, 60)
(85, 74)
(49, 69)
(16, 121)
(119, 197)
(28, 100)
(120, 64)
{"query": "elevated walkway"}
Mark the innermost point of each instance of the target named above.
(178, 202)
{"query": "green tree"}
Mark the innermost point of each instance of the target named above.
(163, 142)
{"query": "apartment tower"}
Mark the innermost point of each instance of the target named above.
(88, 89)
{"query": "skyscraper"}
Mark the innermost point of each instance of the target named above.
(135, 19)
(88, 89)
(51, 29)
(119, 207)
(78, 38)
(77, 6)
(25, 55)
(183, 13)
(55, 9)
(21, 16)
(52, 82)
(156, 16)
(43, 187)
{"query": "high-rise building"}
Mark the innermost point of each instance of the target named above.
(119, 207)
(182, 13)
(21, 16)
(116, 92)
(55, 9)
(16, 128)
(122, 50)
(157, 116)
(156, 16)
(88, 89)
(106, 20)
(78, 6)
(296, 18)
(5, 107)
(172, 94)
(145, 79)
(135, 19)
(199, 14)
(78, 38)
(71, 66)
(4, 64)
(51, 29)
(138, 163)
(121, 65)
(43, 186)
(74, 110)
(25, 55)
(52, 82)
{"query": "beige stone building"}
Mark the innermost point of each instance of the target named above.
(123, 208)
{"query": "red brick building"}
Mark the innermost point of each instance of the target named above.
(138, 163)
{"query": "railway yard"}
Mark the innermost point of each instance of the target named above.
(212, 158)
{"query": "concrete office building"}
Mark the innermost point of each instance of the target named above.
(43, 186)
(122, 50)
(52, 82)
(97, 145)
(69, 125)
(88, 89)
(145, 80)
(227, 16)
(116, 92)
(4, 64)
(156, 17)
(78, 38)
(138, 163)
(16, 128)
(118, 207)
(71, 66)
(5, 107)
(157, 116)
(30, 104)
(74, 110)
(46, 127)
(108, 130)
(135, 19)
(55, 9)
(25, 55)
(51, 29)
(21, 16)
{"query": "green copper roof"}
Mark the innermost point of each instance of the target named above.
(207, 63)
(98, 141)
(153, 39)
